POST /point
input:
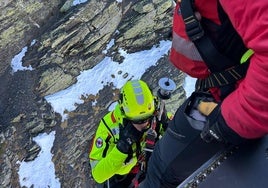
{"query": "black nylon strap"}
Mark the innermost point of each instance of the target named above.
(220, 79)
(193, 27)
(215, 61)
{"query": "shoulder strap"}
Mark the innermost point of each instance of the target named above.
(224, 64)
(203, 43)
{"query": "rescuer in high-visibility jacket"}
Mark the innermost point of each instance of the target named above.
(118, 151)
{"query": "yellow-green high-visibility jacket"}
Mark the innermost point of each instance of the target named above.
(105, 159)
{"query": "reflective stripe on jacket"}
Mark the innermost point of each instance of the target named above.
(106, 161)
(104, 167)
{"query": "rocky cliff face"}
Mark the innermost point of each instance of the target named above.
(63, 40)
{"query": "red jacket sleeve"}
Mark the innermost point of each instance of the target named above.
(246, 109)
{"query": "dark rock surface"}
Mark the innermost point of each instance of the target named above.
(63, 40)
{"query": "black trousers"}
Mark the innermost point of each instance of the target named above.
(179, 153)
(118, 181)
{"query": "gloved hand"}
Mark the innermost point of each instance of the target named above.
(216, 127)
(127, 136)
(206, 108)
(211, 130)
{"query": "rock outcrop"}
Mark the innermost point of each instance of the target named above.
(62, 40)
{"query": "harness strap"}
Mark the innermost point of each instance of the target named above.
(220, 79)
(225, 72)
(146, 153)
(203, 43)
(135, 181)
(193, 28)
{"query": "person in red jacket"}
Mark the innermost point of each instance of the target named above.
(224, 44)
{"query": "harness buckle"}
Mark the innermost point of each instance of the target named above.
(193, 27)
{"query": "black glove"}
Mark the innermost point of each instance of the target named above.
(127, 136)
(212, 127)
(217, 129)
